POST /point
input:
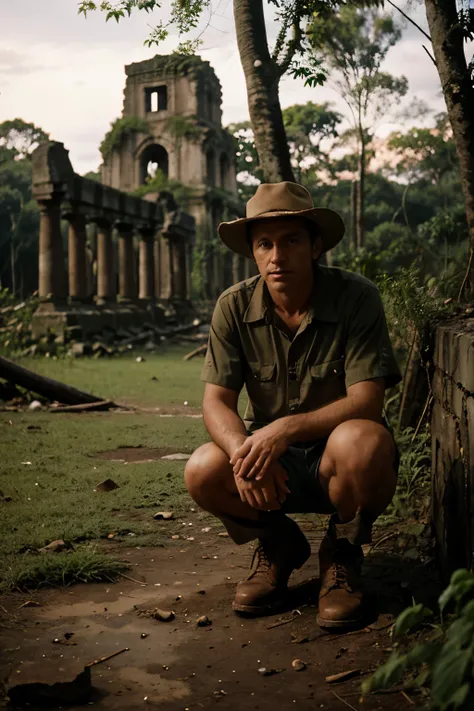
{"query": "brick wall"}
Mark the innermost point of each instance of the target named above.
(453, 444)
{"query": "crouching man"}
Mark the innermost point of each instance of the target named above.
(311, 345)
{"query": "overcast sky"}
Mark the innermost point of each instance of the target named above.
(66, 73)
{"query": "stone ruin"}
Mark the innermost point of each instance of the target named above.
(178, 100)
(125, 290)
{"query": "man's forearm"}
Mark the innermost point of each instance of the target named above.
(318, 424)
(224, 425)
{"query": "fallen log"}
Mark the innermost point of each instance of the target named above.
(86, 407)
(197, 351)
(52, 389)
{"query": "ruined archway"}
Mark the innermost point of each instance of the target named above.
(153, 158)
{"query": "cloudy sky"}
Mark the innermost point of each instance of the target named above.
(66, 73)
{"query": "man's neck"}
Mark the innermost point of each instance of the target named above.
(291, 305)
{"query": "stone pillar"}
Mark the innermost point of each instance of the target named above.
(146, 265)
(52, 271)
(77, 257)
(189, 266)
(127, 286)
(157, 264)
(106, 290)
(179, 280)
(166, 268)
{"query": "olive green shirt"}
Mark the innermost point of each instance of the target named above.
(343, 339)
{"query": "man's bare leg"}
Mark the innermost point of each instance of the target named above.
(357, 474)
(282, 546)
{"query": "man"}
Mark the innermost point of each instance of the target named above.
(311, 345)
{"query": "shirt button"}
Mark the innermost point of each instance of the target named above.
(293, 408)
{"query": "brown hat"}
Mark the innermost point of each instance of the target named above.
(281, 200)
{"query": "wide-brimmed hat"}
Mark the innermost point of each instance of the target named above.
(281, 200)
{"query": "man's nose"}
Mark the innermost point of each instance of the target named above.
(278, 255)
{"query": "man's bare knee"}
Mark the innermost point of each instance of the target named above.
(205, 472)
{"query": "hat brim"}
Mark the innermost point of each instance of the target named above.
(330, 227)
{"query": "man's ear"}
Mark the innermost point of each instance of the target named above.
(317, 249)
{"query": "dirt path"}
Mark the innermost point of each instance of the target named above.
(179, 665)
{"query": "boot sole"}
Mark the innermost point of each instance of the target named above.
(340, 625)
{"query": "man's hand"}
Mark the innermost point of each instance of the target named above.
(253, 458)
(266, 494)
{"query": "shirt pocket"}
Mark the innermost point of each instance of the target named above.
(325, 383)
(261, 379)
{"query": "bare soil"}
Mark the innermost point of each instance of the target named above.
(179, 665)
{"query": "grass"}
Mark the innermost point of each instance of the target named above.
(125, 380)
(53, 497)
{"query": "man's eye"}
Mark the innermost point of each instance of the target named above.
(264, 244)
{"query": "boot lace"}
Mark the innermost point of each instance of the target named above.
(339, 576)
(260, 560)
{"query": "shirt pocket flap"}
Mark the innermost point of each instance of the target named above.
(263, 372)
(329, 369)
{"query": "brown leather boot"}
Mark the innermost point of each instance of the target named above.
(341, 599)
(276, 556)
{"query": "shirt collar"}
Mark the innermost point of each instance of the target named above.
(323, 305)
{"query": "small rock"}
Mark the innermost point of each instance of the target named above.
(263, 671)
(206, 529)
(35, 405)
(179, 456)
(140, 359)
(153, 377)
(223, 535)
(56, 547)
(298, 665)
(5, 499)
(201, 592)
(143, 635)
(106, 485)
(164, 516)
(163, 615)
(203, 621)
(185, 402)
(175, 537)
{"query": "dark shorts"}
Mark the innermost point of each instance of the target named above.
(302, 466)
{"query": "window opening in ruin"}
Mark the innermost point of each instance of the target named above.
(153, 159)
(156, 99)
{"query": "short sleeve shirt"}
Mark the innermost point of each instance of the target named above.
(342, 340)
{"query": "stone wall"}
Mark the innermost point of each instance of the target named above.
(453, 444)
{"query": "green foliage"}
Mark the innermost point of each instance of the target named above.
(414, 476)
(15, 334)
(93, 175)
(428, 153)
(121, 129)
(21, 137)
(442, 663)
(160, 182)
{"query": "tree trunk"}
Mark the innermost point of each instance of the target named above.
(361, 193)
(262, 77)
(354, 209)
(458, 90)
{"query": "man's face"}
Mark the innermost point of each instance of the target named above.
(284, 251)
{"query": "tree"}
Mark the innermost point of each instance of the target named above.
(449, 30)
(19, 215)
(21, 137)
(353, 44)
(307, 127)
(263, 68)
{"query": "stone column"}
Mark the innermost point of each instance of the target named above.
(189, 264)
(77, 257)
(106, 290)
(179, 268)
(146, 265)
(157, 264)
(52, 271)
(127, 287)
(166, 268)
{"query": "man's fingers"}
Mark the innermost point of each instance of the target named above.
(255, 471)
(237, 467)
(248, 464)
(241, 452)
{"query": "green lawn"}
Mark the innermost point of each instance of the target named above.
(53, 497)
(125, 380)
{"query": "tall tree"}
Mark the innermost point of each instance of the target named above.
(307, 127)
(449, 29)
(353, 43)
(263, 68)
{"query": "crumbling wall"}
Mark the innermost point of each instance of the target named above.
(453, 444)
